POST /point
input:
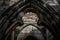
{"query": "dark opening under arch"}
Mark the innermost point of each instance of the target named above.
(30, 38)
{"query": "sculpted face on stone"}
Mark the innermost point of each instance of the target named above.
(30, 17)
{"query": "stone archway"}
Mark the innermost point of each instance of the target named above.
(49, 20)
(32, 31)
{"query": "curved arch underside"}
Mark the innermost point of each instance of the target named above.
(48, 17)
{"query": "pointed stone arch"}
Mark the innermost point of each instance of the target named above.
(50, 18)
(28, 31)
